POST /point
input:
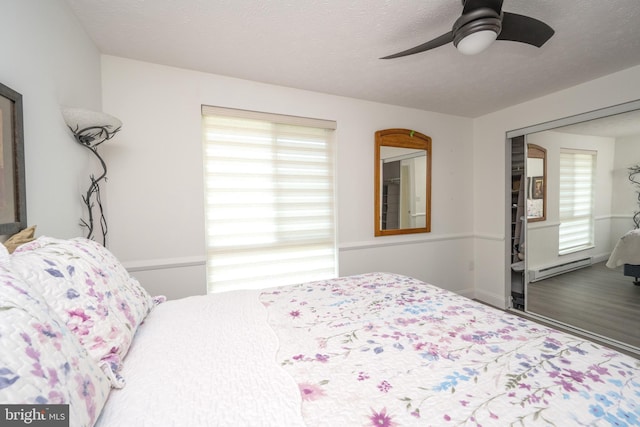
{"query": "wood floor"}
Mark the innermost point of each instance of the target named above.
(595, 298)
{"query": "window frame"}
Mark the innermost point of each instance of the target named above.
(326, 244)
(577, 182)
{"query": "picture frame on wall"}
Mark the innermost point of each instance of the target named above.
(537, 187)
(13, 206)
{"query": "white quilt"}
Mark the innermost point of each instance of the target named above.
(371, 350)
(383, 350)
(627, 250)
(205, 361)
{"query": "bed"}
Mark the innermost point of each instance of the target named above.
(626, 253)
(376, 349)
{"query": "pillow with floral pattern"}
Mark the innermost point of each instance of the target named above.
(41, 361)
(91, 292)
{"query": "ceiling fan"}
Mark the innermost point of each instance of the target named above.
(481, 23)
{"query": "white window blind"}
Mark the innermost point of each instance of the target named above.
(577, 170)
(269, 183)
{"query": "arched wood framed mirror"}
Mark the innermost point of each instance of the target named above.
(402, 182)
(536, 183)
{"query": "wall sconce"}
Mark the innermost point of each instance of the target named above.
(90, 129)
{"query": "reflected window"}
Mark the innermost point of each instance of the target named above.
(577, 169)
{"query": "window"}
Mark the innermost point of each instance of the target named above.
(577, 170)
(269, 190)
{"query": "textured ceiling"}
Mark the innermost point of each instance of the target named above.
(333, 46)
(618, 126)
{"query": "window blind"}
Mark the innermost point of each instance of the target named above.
(577, 170)
(269, 183)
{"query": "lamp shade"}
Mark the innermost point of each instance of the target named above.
(79, 119)
(476, 42)
(90, 128)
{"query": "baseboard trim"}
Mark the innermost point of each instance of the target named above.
(490, 299)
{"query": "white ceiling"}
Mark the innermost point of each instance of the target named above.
(333, 46)
(617, 126)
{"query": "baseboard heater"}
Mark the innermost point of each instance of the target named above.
(543, 273)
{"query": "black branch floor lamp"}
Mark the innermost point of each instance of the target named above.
(90, 129)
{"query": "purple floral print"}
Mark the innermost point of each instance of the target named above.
(421, 352)
(41, 359)
(91, 291)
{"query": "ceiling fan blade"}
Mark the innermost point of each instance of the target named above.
(524, 29)
(437, 42)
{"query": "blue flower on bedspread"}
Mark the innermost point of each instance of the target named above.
(7, 377)
(421, 352)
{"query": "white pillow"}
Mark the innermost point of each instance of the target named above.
(91, 292)
(41, 361)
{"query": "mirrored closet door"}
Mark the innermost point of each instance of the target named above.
(571, 201)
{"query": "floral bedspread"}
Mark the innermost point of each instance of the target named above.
(387, 350)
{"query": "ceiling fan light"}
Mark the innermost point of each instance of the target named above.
(476, 42)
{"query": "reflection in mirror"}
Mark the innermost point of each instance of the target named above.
(568, 274)
(402, 182)
(403, 172)
(536, 183)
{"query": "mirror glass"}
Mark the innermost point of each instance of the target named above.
(402, 182)
(536, 183)
(589, 204)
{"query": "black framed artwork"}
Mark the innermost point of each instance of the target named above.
(537, 187)
(13, 204)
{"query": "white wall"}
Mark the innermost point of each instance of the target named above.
(625, 199)
(155, 191)
(490, 207)
(47, 57)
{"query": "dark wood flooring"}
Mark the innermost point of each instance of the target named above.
(596, 299)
